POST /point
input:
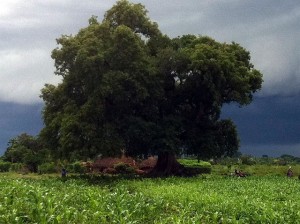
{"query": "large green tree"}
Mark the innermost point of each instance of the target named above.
(126, 86)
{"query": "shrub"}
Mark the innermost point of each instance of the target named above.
(47, 168)
(75, 167)
(124, 168)
(16, 167)
(247, 160)
(109, 171)
(148, 164)
(280, 162)
(4, 166)
(109, 162)
(194, 163)
(201, 166)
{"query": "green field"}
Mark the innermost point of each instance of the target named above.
(203, 199)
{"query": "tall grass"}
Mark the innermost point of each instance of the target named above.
(203, 199)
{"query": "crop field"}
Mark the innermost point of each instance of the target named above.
(203, 199)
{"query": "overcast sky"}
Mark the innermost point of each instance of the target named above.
(269, 29)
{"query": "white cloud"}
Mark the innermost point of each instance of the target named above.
(7, 7)
(24, 73)
(270, 31)
(278, 58)
(28, 32)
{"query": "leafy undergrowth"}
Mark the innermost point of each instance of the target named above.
(203, 199)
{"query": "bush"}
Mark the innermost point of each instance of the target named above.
(4, 166)
(75, 167)
(47, 168)
(201, 166)
(194, 163)
(280, 162)
(124, 168)
(16, 167)
(247, 160)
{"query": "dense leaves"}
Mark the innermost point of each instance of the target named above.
(126, 86)
(28, 150)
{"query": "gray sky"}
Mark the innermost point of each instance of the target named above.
(269, 29)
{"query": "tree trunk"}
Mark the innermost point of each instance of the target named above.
(167, 165)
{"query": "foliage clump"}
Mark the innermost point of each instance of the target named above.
(200, 166)
(125, 85)
(124, 168)
(4, 166)
(48, 168)
(128, 88)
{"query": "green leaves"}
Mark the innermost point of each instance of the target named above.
(124, 69)
(28, 150)
(127, 50)
(133, 16)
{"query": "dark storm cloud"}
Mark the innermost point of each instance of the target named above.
(272, 150)
(16, 119)
(225, 19)
(269, 29)
(269, 124)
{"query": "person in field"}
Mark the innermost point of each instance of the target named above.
(289, 172)
(63, 173)
(239, 173)
(236, 172)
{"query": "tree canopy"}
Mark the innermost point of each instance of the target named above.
(126, 86)
(28, 150)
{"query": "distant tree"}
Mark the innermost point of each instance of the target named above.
(28, 150)
(127, 86)
(289, 158)
(248, 160)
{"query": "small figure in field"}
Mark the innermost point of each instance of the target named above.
(239, 173)
(236, 172)
(63, 173)
(289, 172)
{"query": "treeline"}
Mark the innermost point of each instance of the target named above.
(282, 160)
(27, 153)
